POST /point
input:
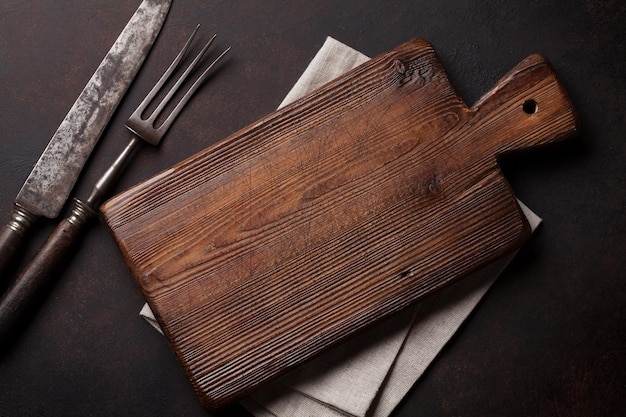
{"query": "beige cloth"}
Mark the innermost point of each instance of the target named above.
(370, 374)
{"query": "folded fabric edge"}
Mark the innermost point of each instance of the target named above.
(436, 322)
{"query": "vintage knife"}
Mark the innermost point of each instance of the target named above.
(49, 184)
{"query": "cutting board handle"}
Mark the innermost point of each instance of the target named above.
(528, 107)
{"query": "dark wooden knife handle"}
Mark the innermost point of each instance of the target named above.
(26, 292)
(12, 238)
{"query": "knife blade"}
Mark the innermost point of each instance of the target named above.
(51, 180)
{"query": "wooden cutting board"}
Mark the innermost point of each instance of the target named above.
(263, 250)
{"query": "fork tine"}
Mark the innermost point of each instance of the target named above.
(201, 79)
(138, 113)
(145, 128)
(180, 80)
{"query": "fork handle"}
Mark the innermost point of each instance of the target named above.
(12, 238)
(22, 298)
(18, 303)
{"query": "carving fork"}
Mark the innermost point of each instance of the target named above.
(24, 292)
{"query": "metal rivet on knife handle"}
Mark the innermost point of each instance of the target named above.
(49, 184)
(31, 285)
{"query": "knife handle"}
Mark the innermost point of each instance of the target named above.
(25, 294)
(12, 238)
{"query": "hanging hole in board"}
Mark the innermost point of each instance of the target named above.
(530, 106)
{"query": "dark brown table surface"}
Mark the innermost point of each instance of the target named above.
(548, 340)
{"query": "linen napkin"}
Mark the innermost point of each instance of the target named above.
(371, 373)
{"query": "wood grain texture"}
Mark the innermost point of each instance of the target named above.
(325, 216)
